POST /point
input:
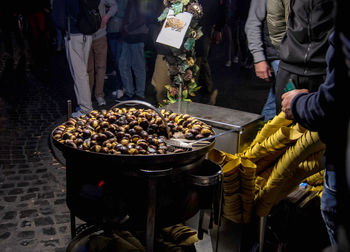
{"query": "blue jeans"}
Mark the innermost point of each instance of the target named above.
(115, 46)
(132, 59)
(269, 109)
(329, 204)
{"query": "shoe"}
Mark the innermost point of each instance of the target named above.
(213, 96)
(228, 63)
(123, 98)
(100, 101)
(137, 97)
(235, 59)
(120, 93)
(77, 114)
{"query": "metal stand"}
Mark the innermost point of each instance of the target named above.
(151, 214)
(73, 232)
(262, 233)
(220, 208)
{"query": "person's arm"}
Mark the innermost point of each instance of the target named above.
(112, 5)
(254, 32)
(313, 110)
(253, 29)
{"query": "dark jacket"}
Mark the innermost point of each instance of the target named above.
(304, 46)
(135, 24)
(311, 110)
(61, 10)
(318, 111)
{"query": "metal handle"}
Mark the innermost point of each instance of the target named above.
(213, 136)
(149, 106)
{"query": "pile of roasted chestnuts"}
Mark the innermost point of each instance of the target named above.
(134, 131)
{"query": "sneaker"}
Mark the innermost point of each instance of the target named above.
(120, 93)
(228, 63)
(100, 101)
(213, 96)
(77, 114)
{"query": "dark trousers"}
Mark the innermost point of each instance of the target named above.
(204, 77)
(300, 81)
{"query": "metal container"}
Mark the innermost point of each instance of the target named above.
(244, 124)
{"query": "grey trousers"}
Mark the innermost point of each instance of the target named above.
(77, 50)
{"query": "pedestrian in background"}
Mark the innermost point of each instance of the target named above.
(215, 16)
(97, 63)
(132, 64)
(78, 45)
(114, 27)
(237, 48)
(264, 53)
(304, 45)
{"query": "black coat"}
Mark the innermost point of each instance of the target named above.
(304, 46)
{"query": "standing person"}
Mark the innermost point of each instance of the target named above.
(264, 53)
(114, 27)
(98, 54)
(317, 111)
(38, 13)
(215, 16)
(304, 45)
(64, 16)
(132, 60)
(160, 76)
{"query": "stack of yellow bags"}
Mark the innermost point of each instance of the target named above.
(239, 183)
(281, 156)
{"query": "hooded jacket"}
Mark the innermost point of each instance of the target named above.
(304, 46)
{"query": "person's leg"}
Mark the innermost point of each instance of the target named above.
(204, 76)
(59, 39)
(100, 49)
(91, 66)
(269, 110)
(139, 67)
(160, 78)
(329, 205)
(229, 45)
(125, 70)
(282, 79)
(119, 83)
(275, 64)
(77, 49)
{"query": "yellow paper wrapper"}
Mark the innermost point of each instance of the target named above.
(297, 163)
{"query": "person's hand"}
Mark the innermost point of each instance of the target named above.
(287, 99)
(263, 70)
(104, 21)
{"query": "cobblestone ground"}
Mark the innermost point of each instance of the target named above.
(33, 212)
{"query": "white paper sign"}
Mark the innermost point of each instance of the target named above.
(174, 29)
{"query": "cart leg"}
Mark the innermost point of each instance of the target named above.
(221, 191)
(72, 225)
(262, 233)
(200, 228)
(151, 214)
